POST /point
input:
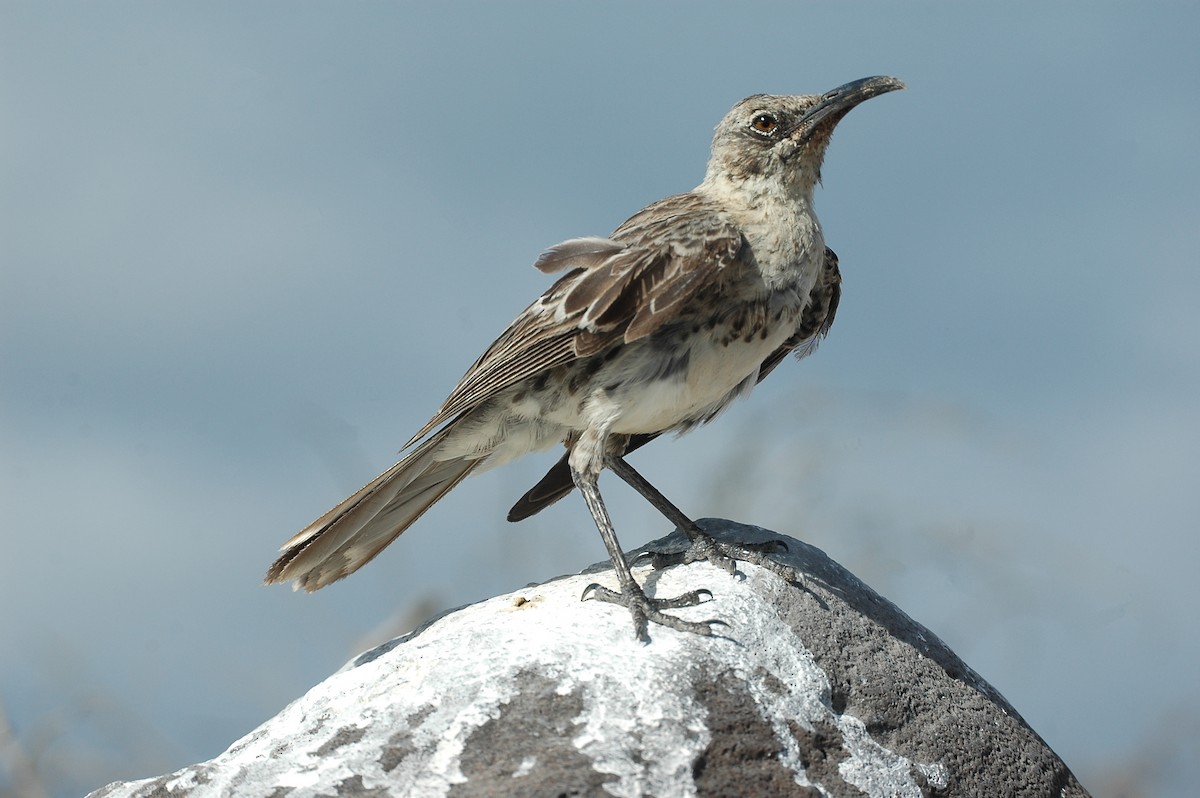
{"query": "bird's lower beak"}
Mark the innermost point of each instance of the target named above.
(835, 104)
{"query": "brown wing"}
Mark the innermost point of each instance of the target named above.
(622, 288)
(817, 318)
(814, 325)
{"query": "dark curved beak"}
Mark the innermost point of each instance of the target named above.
(837, 103)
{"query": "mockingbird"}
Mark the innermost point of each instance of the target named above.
(656, 328)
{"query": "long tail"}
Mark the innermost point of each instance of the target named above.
(351, 534)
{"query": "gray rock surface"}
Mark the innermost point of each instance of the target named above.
(822, 688)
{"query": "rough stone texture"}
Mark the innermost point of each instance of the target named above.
(822, 688)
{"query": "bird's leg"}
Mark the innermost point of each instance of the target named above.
(642, 607)
(703, 546)
(635, 480)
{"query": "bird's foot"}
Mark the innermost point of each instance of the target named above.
(646, 610)
(724, 555)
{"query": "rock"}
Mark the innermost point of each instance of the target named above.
(819, 688)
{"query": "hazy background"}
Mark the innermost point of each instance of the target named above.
(247, 248)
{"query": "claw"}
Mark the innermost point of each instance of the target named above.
(594, 587)
(644, 555)
(726, 555)
(646, 610)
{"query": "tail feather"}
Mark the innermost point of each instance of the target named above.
(355, 531)
(557, 483)
(554, 486)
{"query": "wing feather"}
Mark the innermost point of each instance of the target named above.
(576, 253)
(620, 288)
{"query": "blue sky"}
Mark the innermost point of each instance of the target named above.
(247, 248)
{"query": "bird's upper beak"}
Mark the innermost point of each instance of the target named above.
(833, 105)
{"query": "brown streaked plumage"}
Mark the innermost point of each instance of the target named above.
(656, 328)
(619, 294)
(815, 324)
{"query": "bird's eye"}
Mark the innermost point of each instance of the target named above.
(764, 123)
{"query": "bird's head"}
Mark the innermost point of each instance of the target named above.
(768, 138)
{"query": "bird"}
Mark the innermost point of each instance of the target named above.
(654, 328)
